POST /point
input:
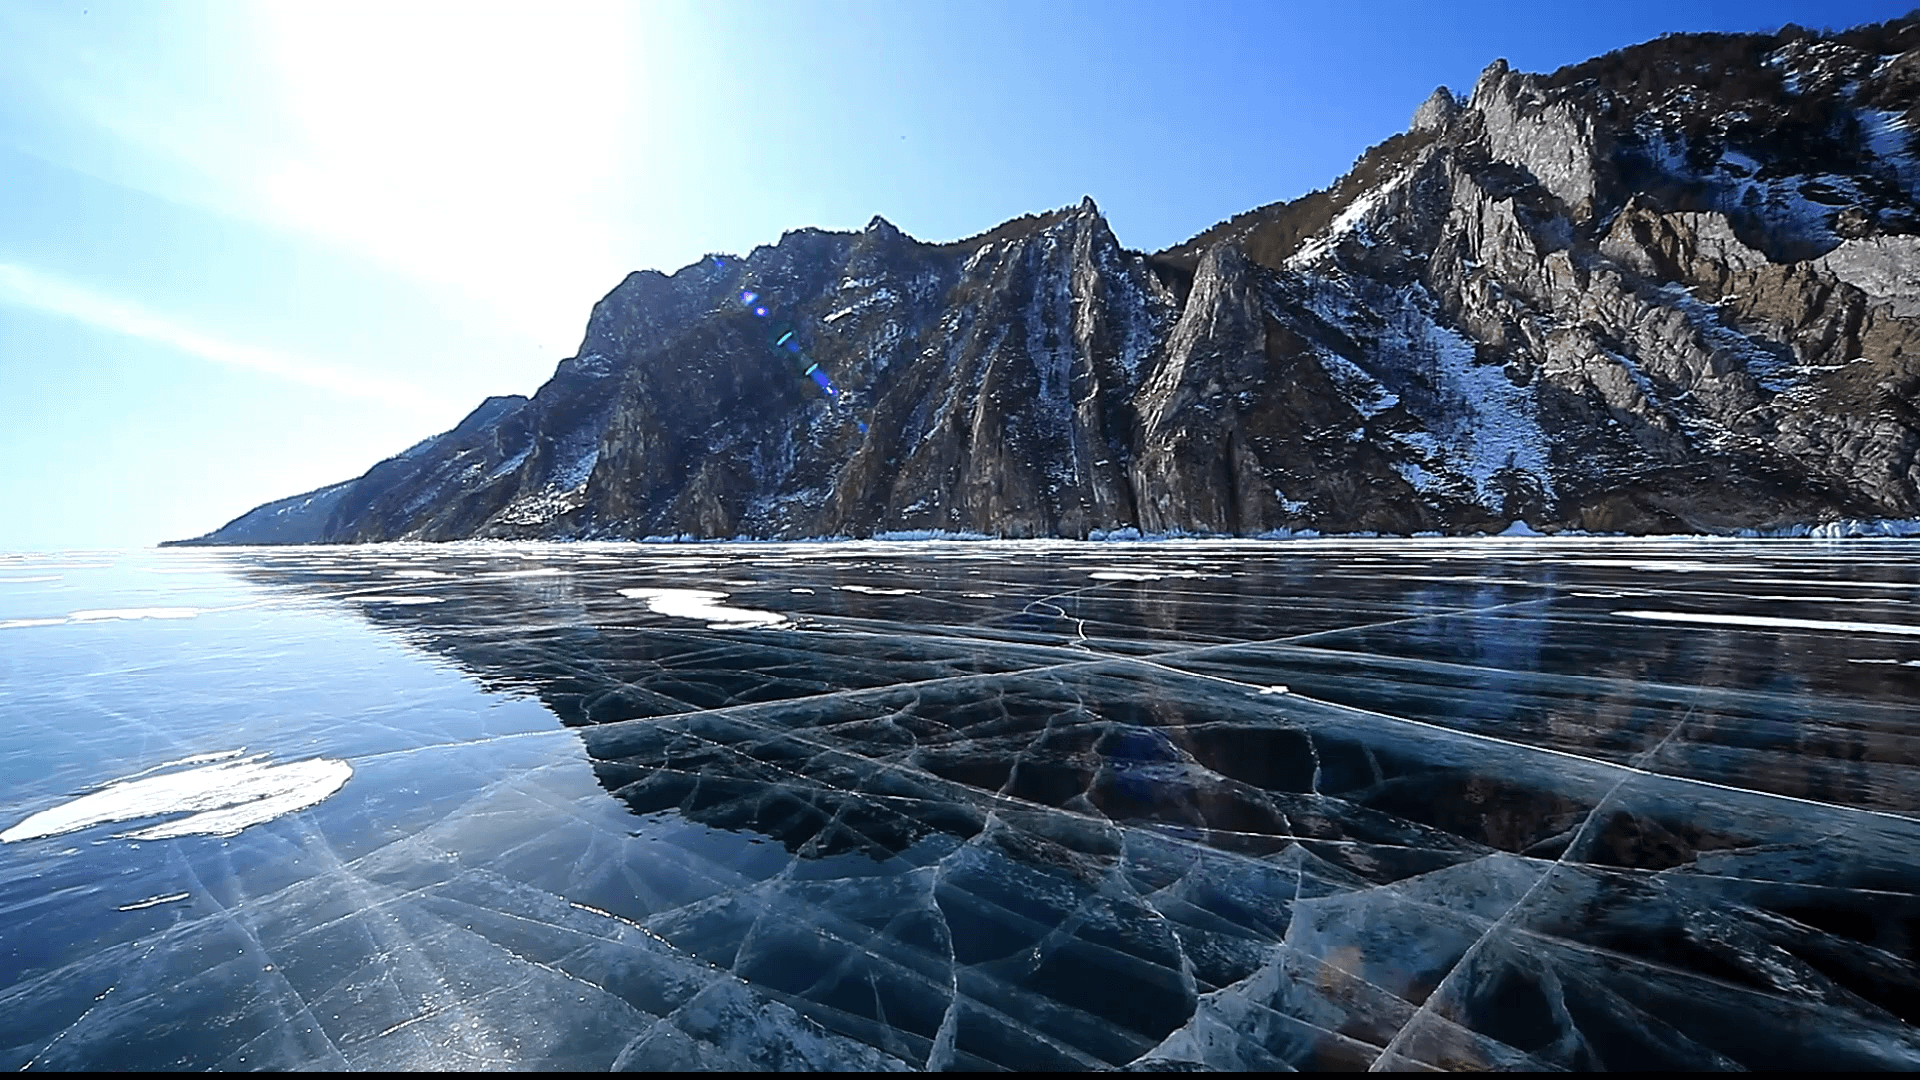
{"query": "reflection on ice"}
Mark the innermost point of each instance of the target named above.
(1314, 804)
(219, 799)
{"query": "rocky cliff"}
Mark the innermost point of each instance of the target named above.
(1674, 288)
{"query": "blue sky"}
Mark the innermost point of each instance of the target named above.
(249, 249)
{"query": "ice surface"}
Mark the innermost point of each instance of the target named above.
(1510, 803)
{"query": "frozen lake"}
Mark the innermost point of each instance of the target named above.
(1312, 804)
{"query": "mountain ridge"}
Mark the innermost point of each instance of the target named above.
(1670, 289)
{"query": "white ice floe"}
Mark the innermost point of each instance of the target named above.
(219, 799)
(874, 591)
(1772, 622)
(702, 605)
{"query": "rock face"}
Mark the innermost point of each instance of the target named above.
(1674, 288)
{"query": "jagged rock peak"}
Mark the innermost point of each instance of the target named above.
(1665, 290)
(1437, 112)
(1488, 79)
(1222, 260)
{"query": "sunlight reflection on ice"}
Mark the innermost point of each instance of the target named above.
(104, 615)
(135, 613)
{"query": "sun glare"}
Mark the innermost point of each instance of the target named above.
(483, 146)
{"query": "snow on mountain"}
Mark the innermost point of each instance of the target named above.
(1668, 289)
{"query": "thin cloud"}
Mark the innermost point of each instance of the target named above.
(27, 287)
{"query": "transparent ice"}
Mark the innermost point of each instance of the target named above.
(1504, 803)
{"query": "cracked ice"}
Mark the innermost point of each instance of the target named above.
(1511, 803)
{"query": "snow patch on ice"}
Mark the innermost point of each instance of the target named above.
(154, 901)
(702, 605)
(219, 799)
(1140, 574)
(1771, 622)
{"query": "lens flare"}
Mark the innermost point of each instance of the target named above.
(791, 343)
